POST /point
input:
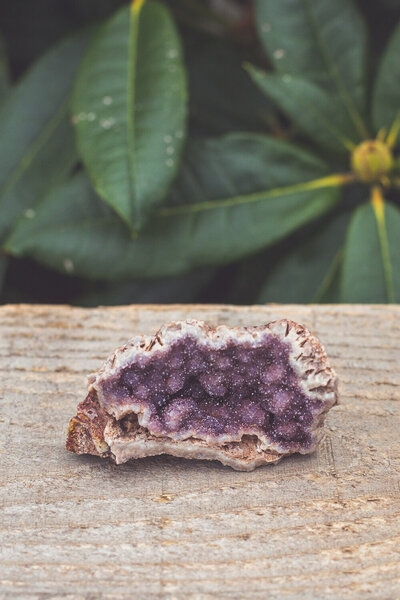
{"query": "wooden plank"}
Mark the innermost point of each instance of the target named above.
(322, 526)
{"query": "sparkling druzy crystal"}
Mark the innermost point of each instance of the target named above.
(244, 396)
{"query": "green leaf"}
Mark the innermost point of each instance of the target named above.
(222, 95)
(371, 268)
(130, 108)
(235, 195)
(323, 41)
(310, 107)
(37, 147)
(306, 272)
(386, 94)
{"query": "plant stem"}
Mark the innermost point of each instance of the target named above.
(378, 205)
(335, 180)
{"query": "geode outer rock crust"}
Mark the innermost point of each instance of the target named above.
(245, 396)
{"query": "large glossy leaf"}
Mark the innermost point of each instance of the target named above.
(371, 268)
(310, 107)
(322, 40)
(235, 195)
(306, 272)
(36, 141)
(130, 106)
(386, 95)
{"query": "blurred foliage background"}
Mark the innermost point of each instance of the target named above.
(258, 197)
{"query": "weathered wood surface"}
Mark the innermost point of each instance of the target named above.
(322, 526)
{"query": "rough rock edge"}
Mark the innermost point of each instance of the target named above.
(95, 432)
(104, 437)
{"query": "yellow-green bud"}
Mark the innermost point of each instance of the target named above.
(371, 160)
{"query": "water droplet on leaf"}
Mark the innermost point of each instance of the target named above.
(279, 53)
(107, 123)
(68, 265)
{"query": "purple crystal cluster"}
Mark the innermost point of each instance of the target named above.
(194, 390)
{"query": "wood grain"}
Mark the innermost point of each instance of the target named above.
(321, 526)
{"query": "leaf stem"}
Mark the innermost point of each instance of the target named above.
(378, 205)
(381, 134)
(137, 5)
(335, 180)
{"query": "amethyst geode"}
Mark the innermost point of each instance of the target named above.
(244, 396)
